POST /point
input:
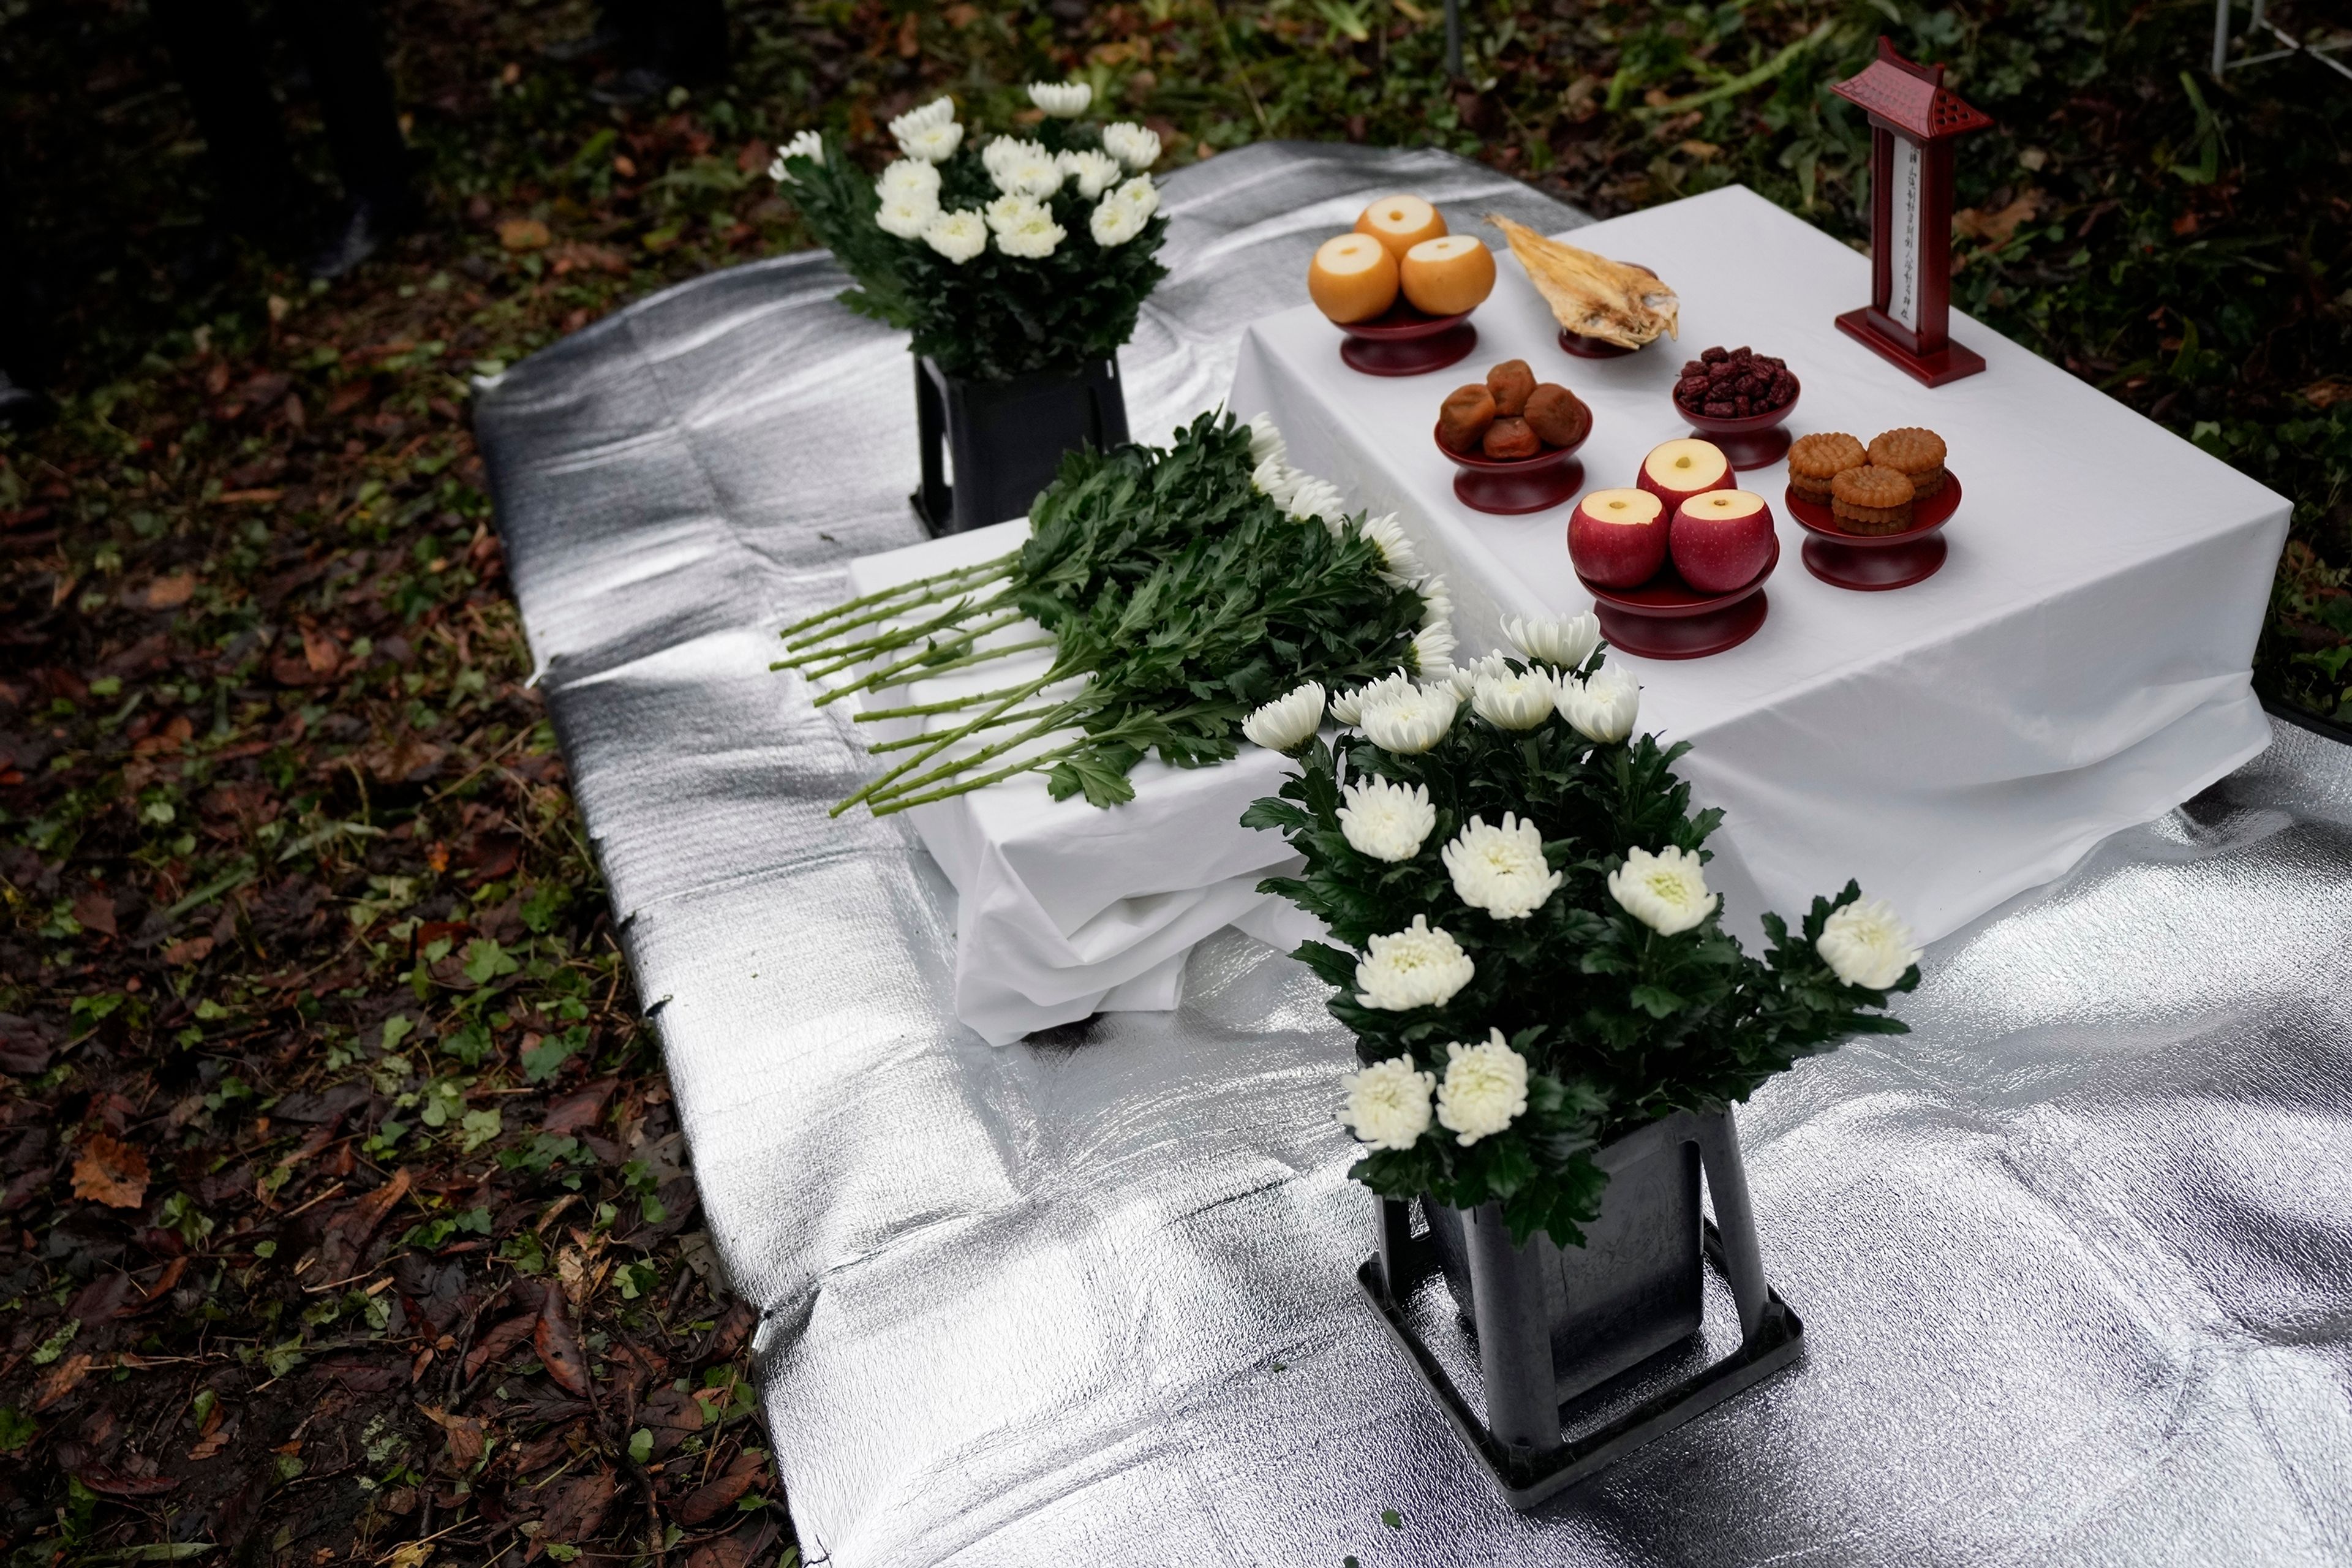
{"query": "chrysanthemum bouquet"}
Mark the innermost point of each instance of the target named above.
(1525, 944)
(1015, 256)
(1179, 589)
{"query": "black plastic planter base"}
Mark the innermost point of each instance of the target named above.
(1004, 440)
(1529, 1477)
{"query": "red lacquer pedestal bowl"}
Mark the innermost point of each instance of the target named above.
(1517, 486)
(1667, 618)
(1754, 442)
(1402, 341)
(1875, 563)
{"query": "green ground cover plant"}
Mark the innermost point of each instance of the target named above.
(343, 1210)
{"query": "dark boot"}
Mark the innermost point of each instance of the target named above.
(21, 407)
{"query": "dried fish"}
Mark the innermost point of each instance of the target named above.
(1591, 295)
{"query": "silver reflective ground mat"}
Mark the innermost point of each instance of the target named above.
(2075, 1257)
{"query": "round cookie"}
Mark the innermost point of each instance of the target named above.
(1915, 453)
(1814, 460)
(1872, 500)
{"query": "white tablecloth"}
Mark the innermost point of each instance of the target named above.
(2081, 663)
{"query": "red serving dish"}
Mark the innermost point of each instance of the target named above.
(1666, 617)
(1756, 442)
(1402, 341)
(1875, 563)
(1517, 486)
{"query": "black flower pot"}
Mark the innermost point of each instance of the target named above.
(1006, 439)
(1556, 1361)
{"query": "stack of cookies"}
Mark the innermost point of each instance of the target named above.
(1868, 489)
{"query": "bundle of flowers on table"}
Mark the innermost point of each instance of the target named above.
(1003, 258)
(1525, 944)
(1179, 589)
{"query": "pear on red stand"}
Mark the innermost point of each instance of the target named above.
(1618, 537)
(1676, 470)
(1721, 540)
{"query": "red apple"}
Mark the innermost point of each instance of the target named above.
(1676, 470)
(1721, 540)
(1618, 537)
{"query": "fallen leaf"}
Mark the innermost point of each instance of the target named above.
(320, 651)
(213, 1435)
(1996, 229)
(466, 1434)
(171, 593)
(707, 1501)
(524, 234)
(2328, 391)
(559, 1345)
(61, 1380)
(410, 1554)
(576, 1505)
(114, 1483)
(102, 1300)
(94, 907)
(577, 1109)
(348, 1237)
(497, 1342)
(111, 1173)
(188, 950)
(673, 1415)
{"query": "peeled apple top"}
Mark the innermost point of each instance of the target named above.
(1400, 223)
(1352, 278)
(1448, 276)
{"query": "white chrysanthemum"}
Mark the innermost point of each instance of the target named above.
(1398, 562)
(1420, 966)
(1436, 604)
(1411, 722)
(1276, 479)
(1062, 100)
(1024, 169)
(1265, 441)
(1131, 144)
(1290, 721)
(958, 235)
(1501, 870)
(1388, 1103)
(906, 217)
(1113, 224)
(1138, 194)
(909, 179)
(1603, 708)
(1349, 707)
(939, 111)
(1516, 701)
(1318, 499)
(1867, 944)
(1464, 678)
(1485, 1089)
(1562, 641)
(1386, 820)
(1666, 892)
(1032, 238)
(932, 144)
(807, 144)
(1093, 173)
(929, 134)
(1433, 652)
